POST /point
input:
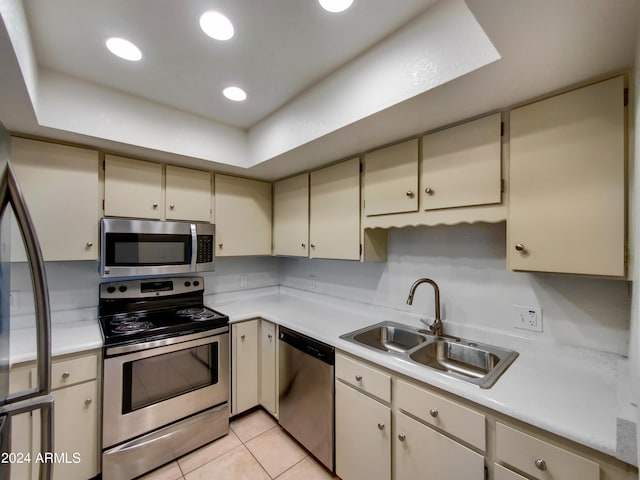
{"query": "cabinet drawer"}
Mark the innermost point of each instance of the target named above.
(364, 377)
(453, 418)
(524, 452)
(70, 372)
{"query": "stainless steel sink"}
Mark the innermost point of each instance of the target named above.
(389, 337)
(477, 363)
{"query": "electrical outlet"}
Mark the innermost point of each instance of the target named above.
(527, 318)
(244, 281)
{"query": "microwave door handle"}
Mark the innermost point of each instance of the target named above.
(194, 247)
(40, 290)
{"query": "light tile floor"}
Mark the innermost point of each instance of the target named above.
(256, 448)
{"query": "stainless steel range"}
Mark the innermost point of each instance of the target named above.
(166, 373)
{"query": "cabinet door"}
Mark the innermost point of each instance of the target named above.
(391, 179)
(567, 193)
(268, 366)
(461, 166)
(60, 185)
(291, 216)
(243, 216)
(132, 188)
(420, 449)
(22, 425)
(363, 436)
(334, 228)
(187, 194)
(76, 431)
(245, 366)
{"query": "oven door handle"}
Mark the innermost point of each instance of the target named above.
(137, 347)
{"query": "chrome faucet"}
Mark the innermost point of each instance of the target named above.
(436, 327)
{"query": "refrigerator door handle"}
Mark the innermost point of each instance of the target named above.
(45, 405)
(14, 197)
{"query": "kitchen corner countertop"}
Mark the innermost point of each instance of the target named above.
(72, 331)
(555, 387)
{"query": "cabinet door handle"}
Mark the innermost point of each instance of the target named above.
(428, 191)
(433, 412)
(66, 375)
(89, 244)
(358, 378)
(155, 205)
(172, 206)
(402, 437)
(269, 336)
(381, 426)
(313, 246)
(220, 245)
(88, 402)
(303, 245)
(409, 194)
(540, 464)
(242, 337)
(519, 247)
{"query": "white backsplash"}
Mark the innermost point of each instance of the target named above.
(468, 263)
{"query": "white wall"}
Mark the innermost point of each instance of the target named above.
(468, 263)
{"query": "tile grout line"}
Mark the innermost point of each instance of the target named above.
(251, 453)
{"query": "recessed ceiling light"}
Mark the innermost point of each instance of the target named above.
(235, 93)
(123, 49)
(335, 6)
(216, 25)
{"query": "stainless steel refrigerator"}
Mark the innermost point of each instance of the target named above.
(38, 400)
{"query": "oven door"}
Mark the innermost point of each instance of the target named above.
(148, 389)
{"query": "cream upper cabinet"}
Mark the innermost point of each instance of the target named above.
(244, 381)
(243, 216)
(187, 194)
(421, 449)
(461, 166)
(268, 367)
(60, 186)
(363, 436)
(132, 188)
(334, 223)
(567, 183)
(291, 216)
(391, 179)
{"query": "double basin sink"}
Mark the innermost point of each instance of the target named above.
(477, 363)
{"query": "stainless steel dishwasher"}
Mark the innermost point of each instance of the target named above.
(306, 393)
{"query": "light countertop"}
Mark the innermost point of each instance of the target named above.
(554, 387)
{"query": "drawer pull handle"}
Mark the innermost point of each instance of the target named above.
(541, 464)
(88, 402)
(358, 378)
(402, 437)
(172, 206)
(66, 375)
(409, 194)
(89, 244)
(381, 426)
(242, 337)
(519, 247)
(155, 205)
(433, 412)
(269, 336)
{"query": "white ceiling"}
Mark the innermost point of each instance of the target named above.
(281, 47)
(321, 86)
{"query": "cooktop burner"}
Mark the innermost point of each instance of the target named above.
(144, 310)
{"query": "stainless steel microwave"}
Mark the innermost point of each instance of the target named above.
(131, 247)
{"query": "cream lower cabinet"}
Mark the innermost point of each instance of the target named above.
(243, 216)
(76, 410)
(60, 185)
(268, 367)
(422, 452)
(244, 366)
(363, 436)
(567, 183)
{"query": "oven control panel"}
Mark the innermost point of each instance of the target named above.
(150, 287)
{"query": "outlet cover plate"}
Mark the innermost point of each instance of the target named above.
(527, 318)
